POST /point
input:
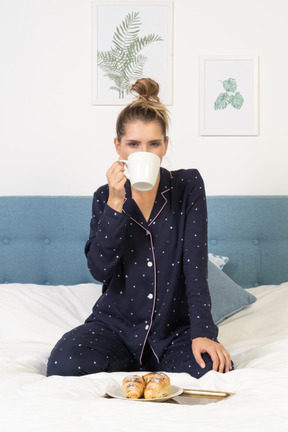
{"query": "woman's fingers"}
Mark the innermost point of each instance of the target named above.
(115, 175)
(220, 357)
(116, 181)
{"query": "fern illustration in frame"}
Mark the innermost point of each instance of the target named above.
(229, 95)
(131, 40)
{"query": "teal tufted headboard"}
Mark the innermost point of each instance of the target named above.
(42, 238)
(253, 232)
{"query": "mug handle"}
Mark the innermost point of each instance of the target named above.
(125, 162)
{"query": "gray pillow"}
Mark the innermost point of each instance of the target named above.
(227, 297)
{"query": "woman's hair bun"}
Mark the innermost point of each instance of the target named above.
(147, 89)
(146, 107)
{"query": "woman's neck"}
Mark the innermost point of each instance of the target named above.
(145, 200)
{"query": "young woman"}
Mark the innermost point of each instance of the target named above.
(149, 249)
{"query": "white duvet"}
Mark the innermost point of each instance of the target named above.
(32, 318)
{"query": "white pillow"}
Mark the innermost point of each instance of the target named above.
(42, 314)
(218, 260)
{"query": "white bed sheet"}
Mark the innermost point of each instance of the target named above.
(257, 339)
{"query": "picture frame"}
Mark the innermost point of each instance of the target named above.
(229, 95)
(131, 40)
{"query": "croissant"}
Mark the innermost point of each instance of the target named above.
(157, 385)
(133, 386)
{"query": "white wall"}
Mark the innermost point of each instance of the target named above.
(53, 141)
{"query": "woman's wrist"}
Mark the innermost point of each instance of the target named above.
(116, 203)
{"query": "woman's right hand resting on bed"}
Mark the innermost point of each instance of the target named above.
(220, 357)
(116, 181)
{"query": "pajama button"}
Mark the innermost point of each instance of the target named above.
(150, 296)
(147, 327)
(149, 264)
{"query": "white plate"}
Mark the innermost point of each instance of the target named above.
(118, 394)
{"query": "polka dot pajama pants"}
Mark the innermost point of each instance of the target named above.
(92, 348)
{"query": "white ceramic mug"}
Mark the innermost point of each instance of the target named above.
(142, 170)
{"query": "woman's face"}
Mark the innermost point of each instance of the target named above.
(141, 136)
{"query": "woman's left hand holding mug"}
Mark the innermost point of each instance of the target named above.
(116, 181)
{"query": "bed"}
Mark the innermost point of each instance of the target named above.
(46, 289)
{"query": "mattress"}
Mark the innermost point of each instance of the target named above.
(34, 317)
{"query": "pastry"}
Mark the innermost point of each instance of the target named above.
(157, 385)
(152, 385)
(133, 386)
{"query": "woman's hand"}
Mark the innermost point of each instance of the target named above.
(220, 357)
(116, 181)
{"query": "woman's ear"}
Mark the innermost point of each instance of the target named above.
(166, 145)
(117, 145)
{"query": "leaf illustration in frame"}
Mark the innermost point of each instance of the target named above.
(237, 100)
(230, 85)
(241, 115)
(124, 63)
(222, 101)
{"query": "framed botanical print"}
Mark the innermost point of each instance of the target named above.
(229, 95)
(131, 40)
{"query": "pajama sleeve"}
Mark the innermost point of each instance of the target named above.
(105, 245)
(195, 257)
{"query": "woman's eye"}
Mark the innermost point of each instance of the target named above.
(155, 144)
(132, 144)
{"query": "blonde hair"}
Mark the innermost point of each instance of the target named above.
(147, 107)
